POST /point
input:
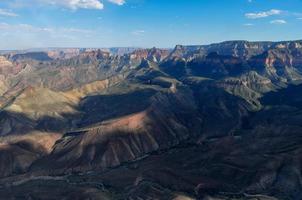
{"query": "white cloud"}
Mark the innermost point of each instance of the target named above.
(75, 4)
(278, 21)
(7, 13)
(28, 36)
(27, 28)
(118, 2)
(76, 30)
(138, 32)
(19, 27)
(70, 4)
(257, 15)
(248, 24)
(24, 36)
(297, 14)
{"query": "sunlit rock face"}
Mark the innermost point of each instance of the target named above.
(214, 121)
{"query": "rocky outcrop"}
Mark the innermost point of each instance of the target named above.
(8, 68)
(154, 54)
(17, 153)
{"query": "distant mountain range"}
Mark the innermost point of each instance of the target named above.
(67, 52)
(220, 121)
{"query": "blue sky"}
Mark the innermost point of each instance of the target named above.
(145, 23)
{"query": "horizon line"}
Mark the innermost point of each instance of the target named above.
(149, 47)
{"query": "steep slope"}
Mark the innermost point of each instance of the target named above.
(6, 69)
(121, 136)
(17, 153)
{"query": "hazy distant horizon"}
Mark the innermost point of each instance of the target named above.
(140, 47)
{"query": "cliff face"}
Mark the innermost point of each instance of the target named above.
(7, 67)
(240, 49)
(280, 61)
(154, 54)
(193, 118)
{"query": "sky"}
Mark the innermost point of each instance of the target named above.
(145, 23)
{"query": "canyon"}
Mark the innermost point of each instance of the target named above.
(219, 121)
